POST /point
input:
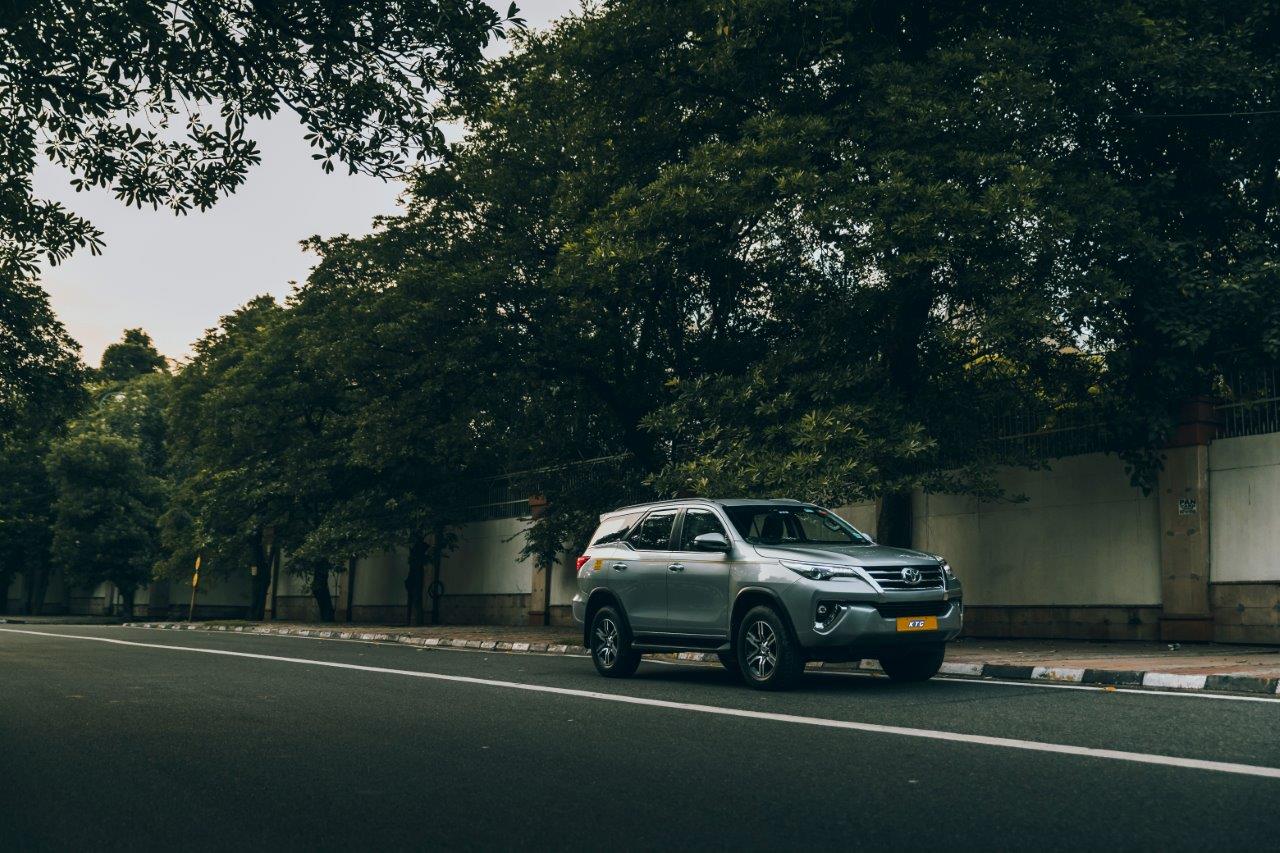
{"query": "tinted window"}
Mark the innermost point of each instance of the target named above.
(654, 533)
(696, 523)
(613, 529)
(787, 525)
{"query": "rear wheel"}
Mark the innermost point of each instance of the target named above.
(914, 663)
(767, 655)
(611, 650)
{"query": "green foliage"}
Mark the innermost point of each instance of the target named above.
(26, 517)
(152, 99)
(756, 248)
(133, 355)
(107, 474)
(106, 509)
(224, 443)
(777, 432)
(812, 248)
(41, 377)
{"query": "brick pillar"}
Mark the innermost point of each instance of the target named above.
(1184, 526)
(540, 594)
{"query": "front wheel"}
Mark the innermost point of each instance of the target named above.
(914, 663)
(611, 650)
(767, 655)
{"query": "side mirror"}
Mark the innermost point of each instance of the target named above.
(711, 542)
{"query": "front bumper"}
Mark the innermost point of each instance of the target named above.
(867, 622)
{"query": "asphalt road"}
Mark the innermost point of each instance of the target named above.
(292, 743)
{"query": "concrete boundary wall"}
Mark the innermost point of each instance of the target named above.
(1076, 552)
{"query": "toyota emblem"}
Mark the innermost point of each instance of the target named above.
(911, 575)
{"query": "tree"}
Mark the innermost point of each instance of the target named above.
(26, 519)
(223, 458)
(860, 231)
(133, 355)
(151, 100)
(105, 511)
(804, 248)
(41, 387)
(1177, 129)
(41, 377)
(411, 414)
(107, 473)
(656, 199)
(257, 450)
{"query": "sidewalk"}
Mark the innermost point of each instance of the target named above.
(1210, 667)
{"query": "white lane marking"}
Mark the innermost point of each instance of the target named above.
(1095, 688)
(873, 728)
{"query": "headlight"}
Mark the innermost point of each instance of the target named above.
(946, 570)
(818, 572)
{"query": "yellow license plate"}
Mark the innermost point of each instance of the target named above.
(918, 623)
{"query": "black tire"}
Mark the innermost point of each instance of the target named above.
(914, 663)
(781, 664)
(611, 650)
(729, 660)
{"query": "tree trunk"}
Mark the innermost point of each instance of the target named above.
(261, 582)
(437, 557)
(320, 591)
(893, 520)
(275, 580)
(351, 588)
(128, 594)
(37, 589)
(6, 579)
(414, 581)
(902, 355)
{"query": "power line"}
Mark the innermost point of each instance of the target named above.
(1234, 114)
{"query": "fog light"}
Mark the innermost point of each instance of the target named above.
(827, 612)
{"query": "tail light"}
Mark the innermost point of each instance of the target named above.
(581, 561)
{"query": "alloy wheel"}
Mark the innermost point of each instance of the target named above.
(607, 642)
(762, 650)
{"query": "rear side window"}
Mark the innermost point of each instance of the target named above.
(654, 533)
(615, 527)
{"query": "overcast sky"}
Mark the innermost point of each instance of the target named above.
(176, 275)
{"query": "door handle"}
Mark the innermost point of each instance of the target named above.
(619, 567)
(676, 567)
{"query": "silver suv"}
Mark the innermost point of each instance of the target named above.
(766, 584)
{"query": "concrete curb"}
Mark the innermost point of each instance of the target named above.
(1181, 682)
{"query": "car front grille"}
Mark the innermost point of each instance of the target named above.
(890, 577)
(913, 608)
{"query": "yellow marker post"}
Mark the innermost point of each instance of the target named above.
(195, 583)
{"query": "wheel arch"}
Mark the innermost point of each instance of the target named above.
(600, 598)
(750, 597)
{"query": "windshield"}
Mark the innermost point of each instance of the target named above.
(771, 524)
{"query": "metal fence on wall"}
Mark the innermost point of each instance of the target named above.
(1249, 405)
(1047, 433)
(1251, 402)
(507, 495)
